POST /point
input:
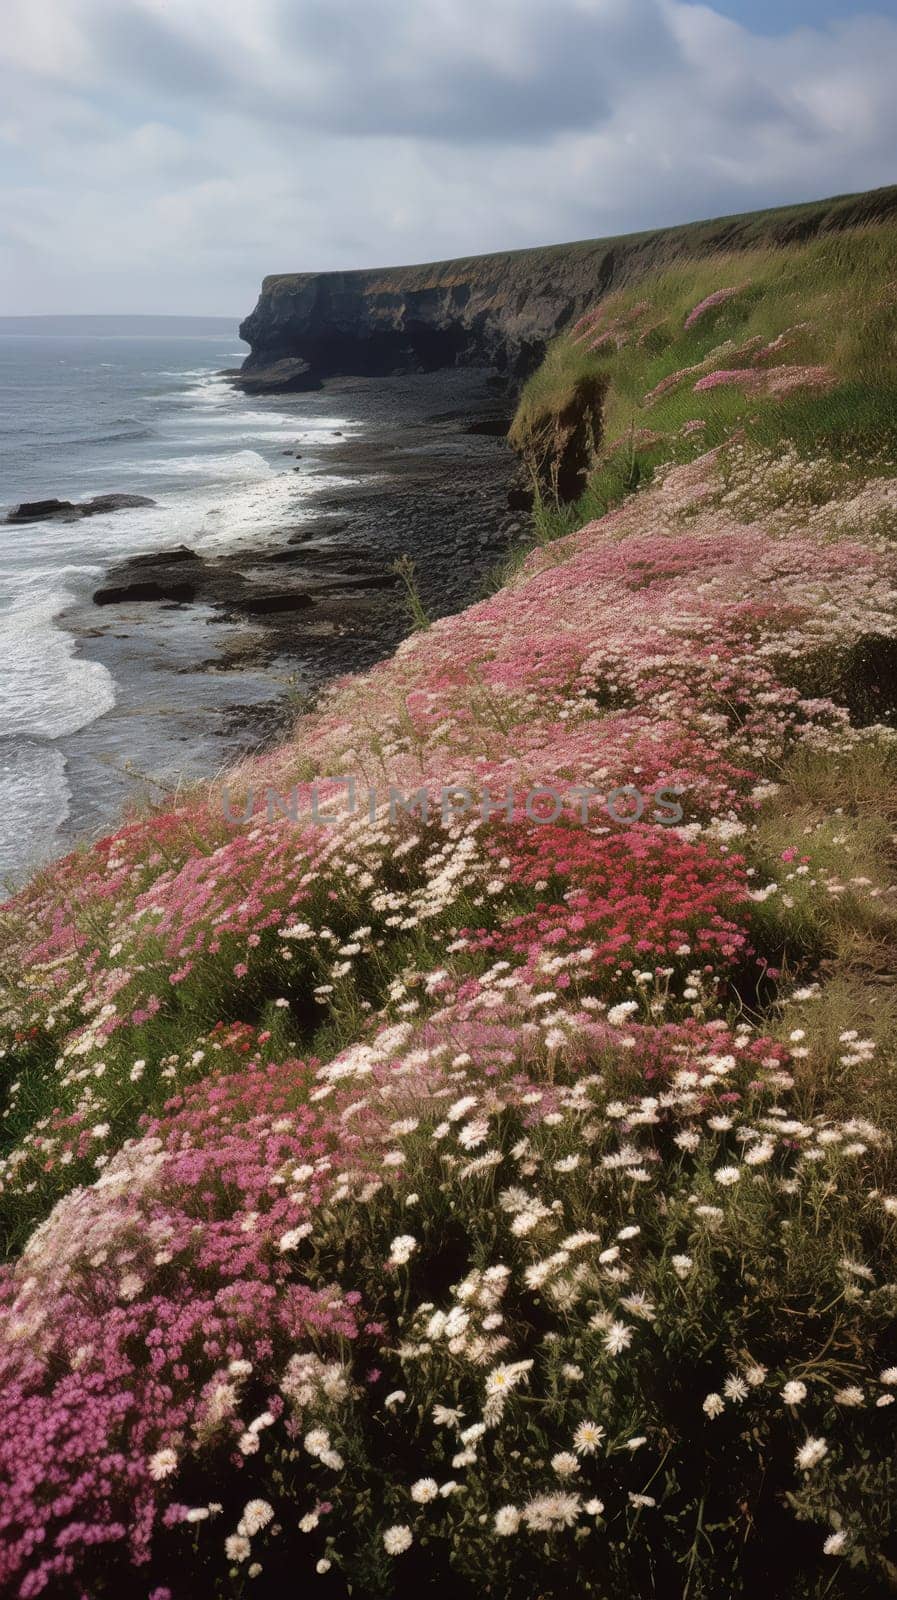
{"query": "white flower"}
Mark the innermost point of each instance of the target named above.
(889, 1375)
(397, 1539)
(726, 1176)
(162, 1464)
(507, 1520)
(237, 1548)
(397, 1398)
(447, 1416)
(617, 1015)
(545, 1512)
(735, 1388)
(594, 1507)
(587, 1438)
(851, 1396)
(811, 1453)
(564, 1464)
(834, 1544)
(682, 1265)
(617, 1338)
(256, 1514)
(323, 1565)
(794, 1392)
(567, 1164)
(713, 1406)
(317, 1441)
(402, 1249)
(424, 1490)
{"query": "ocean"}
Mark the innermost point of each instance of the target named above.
(85, 413)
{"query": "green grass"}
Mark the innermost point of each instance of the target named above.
(834, 299)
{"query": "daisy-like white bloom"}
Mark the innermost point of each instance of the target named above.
(564, 1464)
(735, 1388)
(794, 1392)
(567, 1164)
(309, 1522)
(402, 1249)
(889, 1375)
(726, 1176)
(811, 1453)
(316, 1441)
(835, 1543)
(162, 1464)
(713, 1406)
(237, 1547)
(507, 1520)
(682, 1265)
(256, 1515)
(397, 1398)
(289, 1241)
(641, 1499)
(322, 1566)
(617, 1338)
(397, 1539)
(755, 1374)
(851, 1396)
(617, 1015)
(594, 1507)
(447, 1416)
(587, 1438)
(424, 1490)
(547, 1512)
(638, 1305)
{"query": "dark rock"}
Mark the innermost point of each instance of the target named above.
(178, 552)
(148, 590)
(70, 511)
(40, 510)
(520, 499)
(283, 374)
(112, 502)
(265, 605)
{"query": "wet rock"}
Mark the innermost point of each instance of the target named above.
(290, 374)
(40, 510)
(71, 510)
(112, 502)
(149, 589)
(266, 605)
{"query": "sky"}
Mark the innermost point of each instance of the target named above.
(163, 155)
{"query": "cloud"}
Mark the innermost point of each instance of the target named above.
(164, 157)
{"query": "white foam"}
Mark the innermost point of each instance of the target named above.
(46, 690)
(35, 803)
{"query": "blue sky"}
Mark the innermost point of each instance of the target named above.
(778, 16)
(162, 155)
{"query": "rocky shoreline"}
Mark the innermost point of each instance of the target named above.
(214, 653)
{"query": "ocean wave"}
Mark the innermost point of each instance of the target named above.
(47, 690)
(35, 795)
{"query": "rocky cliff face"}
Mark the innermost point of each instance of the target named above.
(494, 310)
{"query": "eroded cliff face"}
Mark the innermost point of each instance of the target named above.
(499, 310)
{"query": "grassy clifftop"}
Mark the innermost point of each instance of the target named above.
(792, 344)
(461, 1158)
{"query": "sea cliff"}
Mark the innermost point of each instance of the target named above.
(499, 310)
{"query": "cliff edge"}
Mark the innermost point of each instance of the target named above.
(498, 310)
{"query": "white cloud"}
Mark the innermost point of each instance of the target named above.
(161, 157)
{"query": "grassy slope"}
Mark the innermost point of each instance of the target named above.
(833, 302)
